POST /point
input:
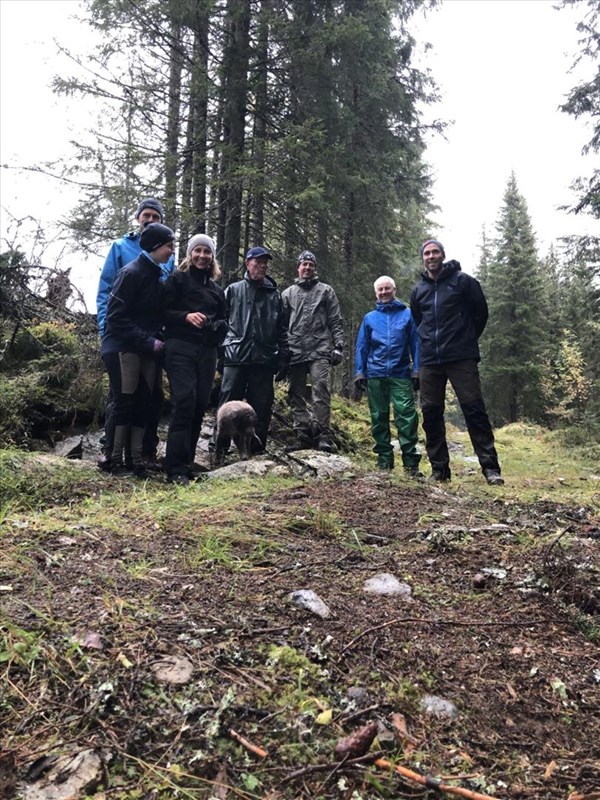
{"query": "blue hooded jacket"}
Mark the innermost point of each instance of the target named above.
(122, 252)
(387, 345)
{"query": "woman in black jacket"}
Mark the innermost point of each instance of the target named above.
(195, 324)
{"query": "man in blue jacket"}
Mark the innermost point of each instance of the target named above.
(123, 251)
(450, 311)
(386, 364)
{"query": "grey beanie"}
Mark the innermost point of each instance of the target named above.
(201, 238)
(150, 202)
(155, 235)
(431, 241)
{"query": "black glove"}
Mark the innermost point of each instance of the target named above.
(336, 357)
(360, 384)
(416, 384)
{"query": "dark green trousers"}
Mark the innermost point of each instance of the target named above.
(397, 392)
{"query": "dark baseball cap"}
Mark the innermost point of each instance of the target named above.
(258, 252)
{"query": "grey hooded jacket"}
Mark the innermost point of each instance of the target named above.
(315, 326)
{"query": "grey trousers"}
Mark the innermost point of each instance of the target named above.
(312, 404)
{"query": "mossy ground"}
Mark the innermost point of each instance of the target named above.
(205, 573)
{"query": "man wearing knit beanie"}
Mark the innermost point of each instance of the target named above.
(316, 342)
(451, 312)
(126, 249)
(122, 251)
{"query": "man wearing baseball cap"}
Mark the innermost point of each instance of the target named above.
(256, 345)
(122, 252)
(450, 311)
(316, 341)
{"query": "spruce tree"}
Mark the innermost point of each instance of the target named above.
(515, 338)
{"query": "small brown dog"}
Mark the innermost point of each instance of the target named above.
(235, 420)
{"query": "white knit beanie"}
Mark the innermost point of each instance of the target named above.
(201, 238)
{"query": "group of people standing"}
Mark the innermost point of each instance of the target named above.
(150, 313)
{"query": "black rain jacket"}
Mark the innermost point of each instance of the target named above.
(134, 314)
(186, 292)
(257, 332)
(450, 314)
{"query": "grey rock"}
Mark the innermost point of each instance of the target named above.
(438, 707)
(385, 584)
(310, 601)
(358, 695)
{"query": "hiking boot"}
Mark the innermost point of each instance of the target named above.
(385, 465)
(179, 480)
(413, 472)
(440, 475)
(493, 477)
(121, 470)
(152, 463)
(140, 471)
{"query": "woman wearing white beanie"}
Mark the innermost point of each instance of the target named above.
(195, 325)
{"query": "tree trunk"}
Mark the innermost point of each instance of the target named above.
(235, 71)
(172, 140)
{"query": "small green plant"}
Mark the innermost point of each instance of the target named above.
(18, 646)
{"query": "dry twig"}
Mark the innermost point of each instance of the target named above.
(253, 748)
(431, 783)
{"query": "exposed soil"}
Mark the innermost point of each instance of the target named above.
(515, 649)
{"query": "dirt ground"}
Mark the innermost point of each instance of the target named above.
(503, 622)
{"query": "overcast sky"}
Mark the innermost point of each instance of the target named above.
(502, 67)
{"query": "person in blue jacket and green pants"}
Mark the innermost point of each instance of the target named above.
(386, 366)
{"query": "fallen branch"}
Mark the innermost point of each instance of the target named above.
(252, 748)
(431, 783)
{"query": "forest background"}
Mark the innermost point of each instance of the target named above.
(298, 125)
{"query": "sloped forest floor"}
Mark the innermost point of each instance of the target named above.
(149, 631)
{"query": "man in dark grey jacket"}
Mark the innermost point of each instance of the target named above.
(255, 346)
(316, 341)
(450, 311)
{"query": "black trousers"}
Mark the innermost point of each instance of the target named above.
(191, 372)
(254, 384)
(464, 378)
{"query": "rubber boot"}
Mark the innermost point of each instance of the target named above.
(137, 441)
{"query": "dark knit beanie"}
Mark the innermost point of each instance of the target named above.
(155, 235)
(150, 202)
(431, 241)
(306, 255)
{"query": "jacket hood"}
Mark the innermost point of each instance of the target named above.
(447, 269)
(393, 306)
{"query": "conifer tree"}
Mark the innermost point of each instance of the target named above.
(515, 337)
